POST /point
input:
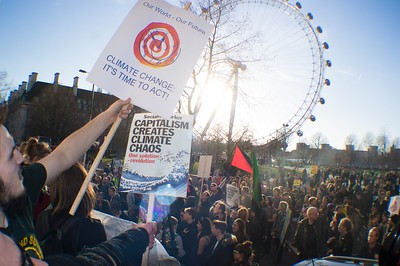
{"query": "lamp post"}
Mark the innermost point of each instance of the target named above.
(92, 99)
(284, 146)
(236, 66)
(90, 113)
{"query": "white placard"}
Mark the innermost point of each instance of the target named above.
(157, 155)
(151, 56)
(204, 166)
(232, 195)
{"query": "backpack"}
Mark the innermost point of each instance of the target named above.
(51, 242)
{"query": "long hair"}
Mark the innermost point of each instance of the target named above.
(65, 187)
(206, 227)
(241, 234)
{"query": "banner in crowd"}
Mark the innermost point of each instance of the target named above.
(242, 161)
(204, 166)
(394, 205)
(232, 195)
(151, 56)
(115, 226)
(157, 155)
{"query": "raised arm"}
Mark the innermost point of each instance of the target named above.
(76, 144)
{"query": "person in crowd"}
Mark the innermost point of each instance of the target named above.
(239, 230)
(310, 237)
(83, 230)
(276, 197)
(107, 169)
(116, 210)
(20, 187)
(170, 239)
(333, 233)
(218, 210)
(191, 191)
(344, 245)
(374, 217)
(313, 202)
(393, 221)
(203, 241)
(358, 231)
(113, 194)
(286, 197)
(102, 204)
(372, 248)
(191, 201)
(384, 224)
(279, 219)
(245, 199)
(216, 193)
(204, 204)
(188, 231)
(381, 201)
(277, 228)
(222, 246)
(104, 185)
(33, 152)
(242, 254)
(243, 213)
(269, 220)
(232, 215)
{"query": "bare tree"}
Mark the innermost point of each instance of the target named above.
(351, 140)
(317, 139)
(56, 118)
(228, 41)
(5, 86)
(368, 140)
(383, 142)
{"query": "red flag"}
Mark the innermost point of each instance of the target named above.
(239, 161)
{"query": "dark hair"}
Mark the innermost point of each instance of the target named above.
(245, 248)
(191, 211)
(220, 225)
(222, 205)
(206, 226)
(270, 200)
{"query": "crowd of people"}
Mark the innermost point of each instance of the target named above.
(335, 211)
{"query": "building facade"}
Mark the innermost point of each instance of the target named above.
(53, 110)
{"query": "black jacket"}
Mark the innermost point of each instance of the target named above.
(222, 253)
(311, 239)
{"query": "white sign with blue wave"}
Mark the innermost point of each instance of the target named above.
(158, 155)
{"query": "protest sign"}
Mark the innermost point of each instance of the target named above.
(151, 56)
(394, 205)
(157, 155)
(204, 166)
(232, 195)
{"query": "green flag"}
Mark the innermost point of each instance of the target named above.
(256, 182)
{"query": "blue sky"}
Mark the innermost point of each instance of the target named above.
(46, 36)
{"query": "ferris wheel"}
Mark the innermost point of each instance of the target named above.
(277, 69)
